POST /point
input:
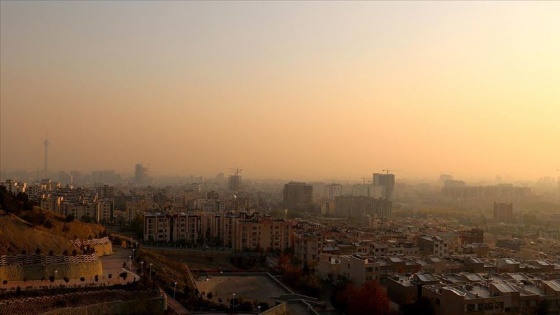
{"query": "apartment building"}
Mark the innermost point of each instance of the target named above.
(261, 233)
(308, 246)
(432, 245)
(359, 269)
(357, 206)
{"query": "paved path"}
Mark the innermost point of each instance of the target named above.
(176, 306)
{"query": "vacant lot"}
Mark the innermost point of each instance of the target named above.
(253, 287)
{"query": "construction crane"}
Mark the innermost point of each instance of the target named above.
(388, 171)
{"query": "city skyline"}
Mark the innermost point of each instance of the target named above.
(299, 91)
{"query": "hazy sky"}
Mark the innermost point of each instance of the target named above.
(295, 90)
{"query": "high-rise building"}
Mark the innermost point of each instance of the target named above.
(46, 161)
(141, 175)
(333, 190)
(297, 195)
(387, 184)
(234, 181)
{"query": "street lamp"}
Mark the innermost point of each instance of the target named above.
(233, 301)
(129, 262)
(141, 267)
(151, 271)
(174, 289)
(258, 309)
(55, 272)
(133, 252)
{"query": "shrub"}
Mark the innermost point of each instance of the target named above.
(48, 224)
(123, 275)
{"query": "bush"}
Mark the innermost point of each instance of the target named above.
(123, 275)
(48, 224)
(82, 279)
(69, 218)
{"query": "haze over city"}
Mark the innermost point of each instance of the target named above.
(302, 90)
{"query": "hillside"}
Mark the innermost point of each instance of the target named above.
(50, 232)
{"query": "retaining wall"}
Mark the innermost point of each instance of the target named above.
(153, 306)
(38, 271)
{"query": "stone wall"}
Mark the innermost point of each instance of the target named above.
(152, 306)
(103, 249)
(38, 271)
(102, 246)
(280, 309)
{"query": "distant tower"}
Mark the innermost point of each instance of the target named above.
(46, 161)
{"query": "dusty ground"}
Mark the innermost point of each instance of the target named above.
(257, 288)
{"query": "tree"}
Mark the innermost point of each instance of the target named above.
(69, 218)
(367, 299)
(542, 308)
(82, 279)
(371, 298)
(87, 219)
(137, 226)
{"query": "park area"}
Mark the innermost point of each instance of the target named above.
(258, 288)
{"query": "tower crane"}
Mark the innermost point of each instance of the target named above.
(387, 171)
